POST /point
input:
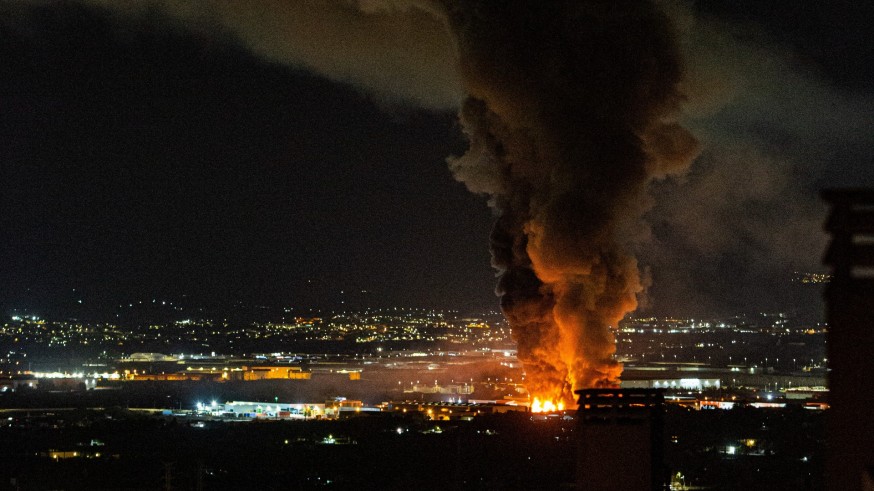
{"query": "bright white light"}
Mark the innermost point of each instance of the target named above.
(400, 431)
(730, 450)
(213, 404)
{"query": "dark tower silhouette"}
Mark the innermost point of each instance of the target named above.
(850, 313)
(621, 440)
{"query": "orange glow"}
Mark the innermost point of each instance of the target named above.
(547, 406)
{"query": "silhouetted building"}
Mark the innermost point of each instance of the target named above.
(849, 309)
(621, 440)
(15, 382)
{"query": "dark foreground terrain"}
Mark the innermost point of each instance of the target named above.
(114, 448)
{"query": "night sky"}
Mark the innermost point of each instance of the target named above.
(143, 159)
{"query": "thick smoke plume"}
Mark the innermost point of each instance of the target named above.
(570, 116)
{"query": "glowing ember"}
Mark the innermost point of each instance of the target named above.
(547, 406)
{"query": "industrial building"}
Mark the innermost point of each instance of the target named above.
(695, 384)
(332, 409)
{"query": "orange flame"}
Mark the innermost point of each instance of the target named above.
(547, 406)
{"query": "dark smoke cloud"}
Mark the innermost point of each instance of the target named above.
(570, 115)
(729, 236)
(397, 50)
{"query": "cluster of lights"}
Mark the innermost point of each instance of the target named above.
(105, 375)
(369, 326)
(207, 407)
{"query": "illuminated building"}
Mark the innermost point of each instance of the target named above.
(270, 373)
(336, 408)
(438, 389)
(246, 409)
(341, 404)
(620, 439)
(849, 300)
(150, 358)
(672, 383)
(223, 374)
(213, 375)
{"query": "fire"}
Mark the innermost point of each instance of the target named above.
(547, 406)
